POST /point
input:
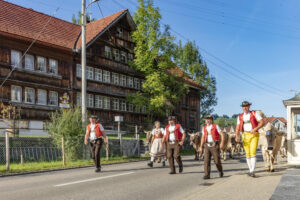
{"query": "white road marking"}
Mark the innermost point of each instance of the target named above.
(92, 179)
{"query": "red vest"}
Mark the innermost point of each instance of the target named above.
(214, 133)
(253, 121)
(97, 130)
(178, 134)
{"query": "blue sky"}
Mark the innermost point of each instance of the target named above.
(260, 38)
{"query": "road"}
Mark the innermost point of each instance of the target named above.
(128, 181)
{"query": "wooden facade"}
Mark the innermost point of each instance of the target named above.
(49, 71)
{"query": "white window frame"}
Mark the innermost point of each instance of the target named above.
(123, 105)
(90, 101)
(51, 93)
(137, 109)
(123, 81)
(29, 62)
(116, 53)
(18, 94)
(44, 68)
(41, 97)
(130, 81)
(137, 84)
(106, 76)
(32, 90)
(116, 105)
(53, 66)
(78, 99)
(130, 56)
(130, 107)
(144, 110)
(107, 52)
(115, 78)
(98, 101)
(98, 75)
(123, 57)
(16, 58)
(78, 70)
(106, 103)
(89, 73)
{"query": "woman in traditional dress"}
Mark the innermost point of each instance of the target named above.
(157, 147)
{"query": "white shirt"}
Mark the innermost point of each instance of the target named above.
(209, 136)
(155, 132)
(247, 124)
(93, 133)
(172, 133)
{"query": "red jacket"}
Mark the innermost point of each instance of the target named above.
(214, 133)
(97, 130)
(253, 121)
(178, 134)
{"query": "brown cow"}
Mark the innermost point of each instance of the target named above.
(229, 145)
(195, 140)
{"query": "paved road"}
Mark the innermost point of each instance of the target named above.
(128, 181)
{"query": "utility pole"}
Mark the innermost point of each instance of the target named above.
(83, 63)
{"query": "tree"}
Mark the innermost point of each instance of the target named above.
(235, 116)
(153, 51)
(77, 20)
(189, 59)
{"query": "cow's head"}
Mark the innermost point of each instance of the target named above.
(195, 138)
(148, 135)
(268, 134)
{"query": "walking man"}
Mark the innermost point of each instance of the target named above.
(174, 139)
(95, 132)
(248, 123)
(211, 141)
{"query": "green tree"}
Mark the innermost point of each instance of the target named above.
(77, 20)
(189, 59)
(153, 51)
(67, 123)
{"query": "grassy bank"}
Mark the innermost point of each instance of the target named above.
(128, 136)
(37, 166)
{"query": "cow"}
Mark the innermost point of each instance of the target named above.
(270, 141)
(195, 141)
(229, 145)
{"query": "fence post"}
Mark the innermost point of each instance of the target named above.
(120, 137)
(63, 151)
(7, 150)
(136, 132)
(139, 145)
(22, 158)
(107, 149)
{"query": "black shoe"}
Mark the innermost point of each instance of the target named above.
(221, 174)
(150, 164)
(252, 175)
(98, 169)
(172, 172)
(206, 177)
(163, 163)
(181, 169)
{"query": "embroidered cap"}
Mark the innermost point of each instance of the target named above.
(171, 118)
(209, 117)
(246, 103)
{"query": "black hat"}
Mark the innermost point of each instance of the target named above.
(246, 103)
(171, 118)
(94, 116)
(209, 117)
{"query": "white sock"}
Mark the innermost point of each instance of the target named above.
(253, 162)
(152, 159)
(162, 159)
(249, 163)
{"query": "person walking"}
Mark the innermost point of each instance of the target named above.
(248, 123)
(174, 139)
(157, 148)
(211, 142)
(95, 133)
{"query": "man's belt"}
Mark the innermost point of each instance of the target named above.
(212, 144)
(97, 139)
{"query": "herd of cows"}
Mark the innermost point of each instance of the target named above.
(271, 142)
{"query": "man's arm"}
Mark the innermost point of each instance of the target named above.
(183, 138)
(201, 144)
(105, 137)
(222, 140)
(237, 133)
(86, 137)
(260, 125)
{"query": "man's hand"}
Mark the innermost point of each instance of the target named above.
(237, 139)
(200, 150)
(181, 143)
(221, 146)
(253, 131)
(85, 141)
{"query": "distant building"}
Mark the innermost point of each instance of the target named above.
(279, 122)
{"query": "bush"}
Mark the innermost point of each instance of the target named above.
(67, 123)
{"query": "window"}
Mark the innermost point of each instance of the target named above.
(106, 102)
(90, 100)
(53, 66)
(41, 64)
(115, 78)
(130, 56)
(144, 109)
(123, 57)
(15, 58)
(115, 104)
(106, 76)
(130, 81)
(42, 97)
(120, 32)
(122, 80)
(98, 74)
(107, 51)
(120, 42)
(89, 73)
(137, 84)
(116, 54)
(98, 101)
(29, 62)
(53, 98)
(137, 109)
(122, 105)
(78, 98)
(16, 93)
(29, 95)
(78, 70)
(130, 107)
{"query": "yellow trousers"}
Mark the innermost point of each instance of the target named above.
(250, 142)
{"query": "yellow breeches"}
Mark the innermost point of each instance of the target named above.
(250, 142)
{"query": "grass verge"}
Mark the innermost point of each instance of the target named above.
(128, 136)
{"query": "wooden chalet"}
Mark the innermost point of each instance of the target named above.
(48, 77)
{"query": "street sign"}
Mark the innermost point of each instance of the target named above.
(118, 118)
